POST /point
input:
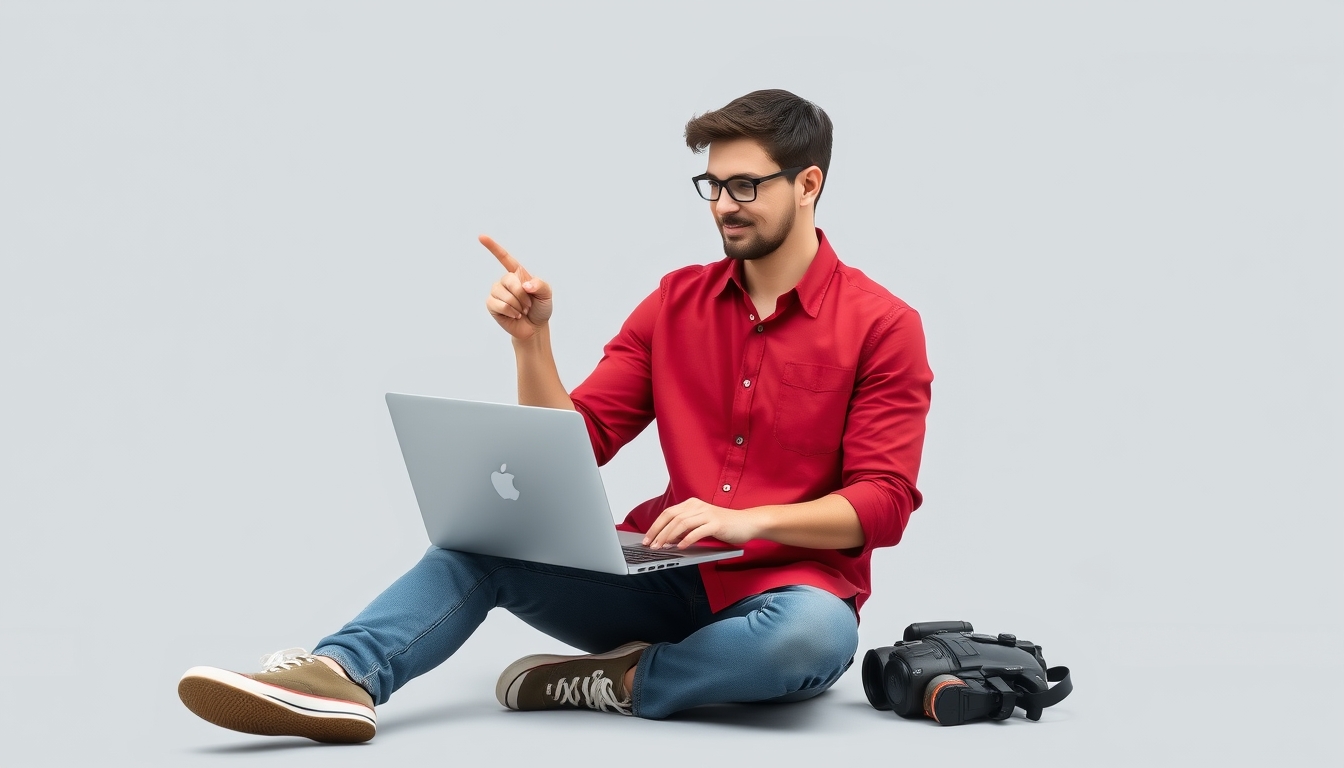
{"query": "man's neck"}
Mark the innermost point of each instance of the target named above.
(770, 277)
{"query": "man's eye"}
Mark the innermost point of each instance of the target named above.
(740, 187)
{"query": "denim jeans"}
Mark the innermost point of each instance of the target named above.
(786, 644)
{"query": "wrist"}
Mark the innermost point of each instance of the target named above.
(764, 522)
(538, 341)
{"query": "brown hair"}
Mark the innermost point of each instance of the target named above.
(793, 131)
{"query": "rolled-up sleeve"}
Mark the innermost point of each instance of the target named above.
(616, 400)
(884, 429)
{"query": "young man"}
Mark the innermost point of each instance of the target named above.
(790, 392)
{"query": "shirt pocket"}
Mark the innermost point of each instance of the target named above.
(813, 401)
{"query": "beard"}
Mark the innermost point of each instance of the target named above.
(756, 244)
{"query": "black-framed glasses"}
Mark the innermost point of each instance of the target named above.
(740, 188)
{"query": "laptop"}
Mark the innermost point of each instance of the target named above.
(521, 482)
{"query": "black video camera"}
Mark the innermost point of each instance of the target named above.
(944, 670)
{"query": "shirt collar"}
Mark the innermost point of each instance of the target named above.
(811, 290)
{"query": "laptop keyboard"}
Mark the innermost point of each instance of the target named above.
(643, 555)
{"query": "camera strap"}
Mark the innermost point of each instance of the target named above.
(1033, 703)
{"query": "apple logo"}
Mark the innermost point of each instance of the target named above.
(503, 482)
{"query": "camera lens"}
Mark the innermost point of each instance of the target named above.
(903, 696)
(873, 684)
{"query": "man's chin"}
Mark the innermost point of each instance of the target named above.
(744, 245)
(742, 252)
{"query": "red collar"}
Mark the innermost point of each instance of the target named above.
(810, 291)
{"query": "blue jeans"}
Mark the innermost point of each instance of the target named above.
(786, 644)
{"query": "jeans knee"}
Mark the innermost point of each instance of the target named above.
(458, 562)
(439, 555)
(816, 642)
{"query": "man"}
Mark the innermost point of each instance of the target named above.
(790, 392)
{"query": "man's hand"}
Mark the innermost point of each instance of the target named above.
(692, 520)
(519, 302)
(826, 523)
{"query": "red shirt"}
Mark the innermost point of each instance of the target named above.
(827, 395)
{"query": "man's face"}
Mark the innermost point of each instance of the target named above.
(758, 228)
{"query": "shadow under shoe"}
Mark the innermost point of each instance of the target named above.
(295, 694)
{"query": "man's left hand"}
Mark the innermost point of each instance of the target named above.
(692, 520)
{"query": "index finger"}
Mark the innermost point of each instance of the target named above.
(657, 526)
(510, 264)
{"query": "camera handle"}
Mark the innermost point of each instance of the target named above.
(1035, 702)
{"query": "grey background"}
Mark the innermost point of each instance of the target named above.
(226, 229)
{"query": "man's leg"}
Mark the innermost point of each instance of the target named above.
(421, 620)
(426, 615)
(784, 645)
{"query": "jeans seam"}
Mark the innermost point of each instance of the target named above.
(637, 684)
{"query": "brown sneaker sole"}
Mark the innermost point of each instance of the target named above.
(511, 679)
(239, 703)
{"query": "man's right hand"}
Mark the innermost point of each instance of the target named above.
(519, 302)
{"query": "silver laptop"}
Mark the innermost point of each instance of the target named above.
(521, 482)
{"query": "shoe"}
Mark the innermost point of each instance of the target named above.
(550, 682)
(295, 694)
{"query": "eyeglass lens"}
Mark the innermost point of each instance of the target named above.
(741, 190)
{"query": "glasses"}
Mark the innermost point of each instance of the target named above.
(740, 188)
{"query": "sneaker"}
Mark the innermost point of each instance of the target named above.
(596, 681)
(295, 694)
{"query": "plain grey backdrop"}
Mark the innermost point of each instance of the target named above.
(227, 229)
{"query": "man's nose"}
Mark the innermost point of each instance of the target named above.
(726, 204)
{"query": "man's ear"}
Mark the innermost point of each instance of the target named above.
(811, 186)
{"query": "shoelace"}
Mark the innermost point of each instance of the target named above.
(597, 691)
(290, 657)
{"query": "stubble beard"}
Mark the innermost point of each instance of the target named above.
(756, 245)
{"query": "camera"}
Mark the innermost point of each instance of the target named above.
(947, 671)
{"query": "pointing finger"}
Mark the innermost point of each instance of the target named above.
(510, 264)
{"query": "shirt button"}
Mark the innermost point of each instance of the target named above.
(760, 329)
(739, 440)
(751, 318)
(746, 382)
(727, 487)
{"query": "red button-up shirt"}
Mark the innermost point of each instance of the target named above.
(826, 395)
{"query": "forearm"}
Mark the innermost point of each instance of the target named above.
(826, 523)
(538, 378)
